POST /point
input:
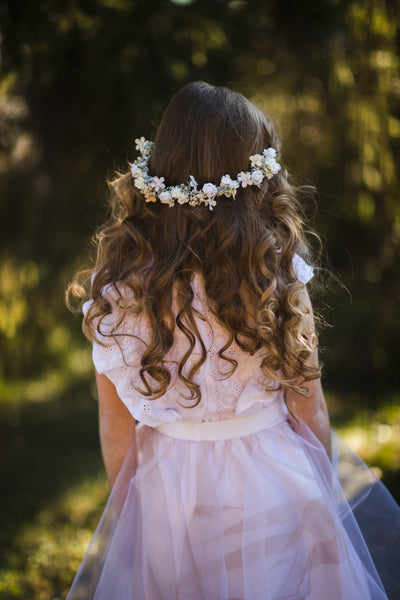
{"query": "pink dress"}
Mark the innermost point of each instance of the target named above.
(246, 507)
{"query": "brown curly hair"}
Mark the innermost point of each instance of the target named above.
(243, 249)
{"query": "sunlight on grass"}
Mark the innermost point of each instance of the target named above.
(52, 384)
(376, 438)
(47, 552)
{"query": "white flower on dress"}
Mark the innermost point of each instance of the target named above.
(157, 183)
(257, 177)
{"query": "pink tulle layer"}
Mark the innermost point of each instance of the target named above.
(266, 516)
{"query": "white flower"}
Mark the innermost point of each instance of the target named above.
(256, 160)
(140, 182)
(257, 177)
(157, 183)
(269, 153)
(166, 198)
(210, 202)
(226, 180)
(210, 190)
(134, 169)
(145, 147)
(245, 178)
(175, 191)
(193, 183)
(228, 187)
(179, 194)
(275, 167)
(271, 167)
(141, 143)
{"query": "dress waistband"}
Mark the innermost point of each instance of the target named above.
(228, 428)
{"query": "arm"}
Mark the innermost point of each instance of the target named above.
(116, 425)
(312, 408)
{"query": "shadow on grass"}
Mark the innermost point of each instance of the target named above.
(45, 448)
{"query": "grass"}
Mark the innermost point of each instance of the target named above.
(54, 486)
(54, 489)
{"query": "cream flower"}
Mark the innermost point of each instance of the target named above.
(271, 167)
(211, 203)
(140, 143)
(228, 187)
(140, 182)
(256, 160)
(179, 194)
(245, 178)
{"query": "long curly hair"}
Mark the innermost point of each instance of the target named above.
(243, 249)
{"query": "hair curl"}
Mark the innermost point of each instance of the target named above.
(244, 249)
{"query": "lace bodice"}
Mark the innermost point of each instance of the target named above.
(221, 397)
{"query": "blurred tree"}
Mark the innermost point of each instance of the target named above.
(81, 79)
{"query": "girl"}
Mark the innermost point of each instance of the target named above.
(203, 332)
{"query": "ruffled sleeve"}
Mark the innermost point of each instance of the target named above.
(304, 272)
(118, 356)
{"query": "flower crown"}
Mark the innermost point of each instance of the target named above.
(153, 188)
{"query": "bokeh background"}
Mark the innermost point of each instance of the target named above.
(79, 80)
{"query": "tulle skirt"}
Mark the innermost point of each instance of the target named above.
(262, 516)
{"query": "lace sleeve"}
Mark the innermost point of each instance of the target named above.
(303, 270)
(116, 349)
(117, 354)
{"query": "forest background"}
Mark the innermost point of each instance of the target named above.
(79, 81)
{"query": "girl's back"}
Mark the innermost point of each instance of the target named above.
(203, 332)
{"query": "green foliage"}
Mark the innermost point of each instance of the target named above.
(80, 80)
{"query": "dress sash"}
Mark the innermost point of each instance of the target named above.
(227, 429)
